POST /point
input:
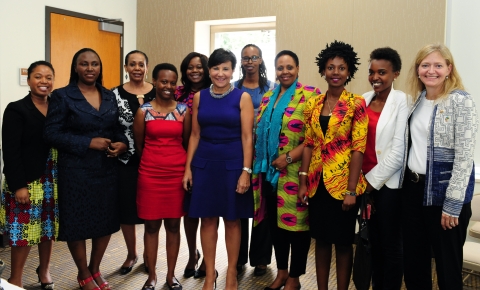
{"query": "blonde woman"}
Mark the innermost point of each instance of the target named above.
(438, 171)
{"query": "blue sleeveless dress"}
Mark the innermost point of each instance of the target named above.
(218, 161)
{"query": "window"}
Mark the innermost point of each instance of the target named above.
(235, 37)
(234, 34)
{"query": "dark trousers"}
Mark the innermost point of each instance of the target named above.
(423, 233)
(386, 239)
(283, 241)
(260, 244)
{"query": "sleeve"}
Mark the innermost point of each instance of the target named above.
(307, 114)
(119, 133)
(394, 161)
(55, 132)
(12, 130)
(465, 129)
(359, 125)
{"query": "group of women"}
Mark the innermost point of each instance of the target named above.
(293, 158)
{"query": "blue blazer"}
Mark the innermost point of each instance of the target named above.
(72, 122)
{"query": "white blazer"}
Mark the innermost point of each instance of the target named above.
(389, 143)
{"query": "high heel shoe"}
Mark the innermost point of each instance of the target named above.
(47, 286)
(189, 272)
(104, 285)
(175, 285)
(126, 270)
(84, 282)
(215, 283)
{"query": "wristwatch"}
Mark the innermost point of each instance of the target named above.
(351, 193)
(289, 158)
(248, 170)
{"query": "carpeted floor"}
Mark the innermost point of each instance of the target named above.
(64, 272)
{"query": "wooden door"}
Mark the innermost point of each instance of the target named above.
(70, 34)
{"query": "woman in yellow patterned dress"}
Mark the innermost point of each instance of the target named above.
(29, 211)
(335, 139)
(278, 154)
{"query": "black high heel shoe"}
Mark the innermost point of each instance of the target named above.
(126, 270)
(47, 286)
(189, 272)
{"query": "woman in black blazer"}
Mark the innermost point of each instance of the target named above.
(29, 196)
(82, 123)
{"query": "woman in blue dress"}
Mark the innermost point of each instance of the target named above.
(219, 163)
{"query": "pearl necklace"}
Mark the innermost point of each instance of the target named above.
(216, 96)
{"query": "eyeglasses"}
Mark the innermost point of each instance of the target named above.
(253, 58)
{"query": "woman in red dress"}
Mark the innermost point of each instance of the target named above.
(161, 130)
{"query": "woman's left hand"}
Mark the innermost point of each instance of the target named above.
(348, 202)
(281, 162)
(449, 222)
(116, 149)
(243, 182)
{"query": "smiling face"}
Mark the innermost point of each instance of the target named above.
(136, 67)
(336, 72)
(41, 81)
(286, 70)
(165, 84)
(87, 67)
(433, 70)
(221, 74)
(249, 54)
(195, 70)
(381, 75)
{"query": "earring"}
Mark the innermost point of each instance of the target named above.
(418, 76)
(126, 76)
(446, 77)
(146, 76)
(394, 79)
(323, 77)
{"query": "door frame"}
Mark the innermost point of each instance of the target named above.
(49, 10)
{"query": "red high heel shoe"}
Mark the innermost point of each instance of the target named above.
(104, 285)
(85, 282)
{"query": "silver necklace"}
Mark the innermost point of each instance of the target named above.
(216, 96)
(328, 104)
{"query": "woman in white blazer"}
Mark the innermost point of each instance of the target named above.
(382, 162)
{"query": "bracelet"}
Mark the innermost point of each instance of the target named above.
(302, 173)
(248, 170)
(140, 96)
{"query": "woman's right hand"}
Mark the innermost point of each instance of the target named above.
(187, 180)
(99, 143)
(302, 194)
(22, 196)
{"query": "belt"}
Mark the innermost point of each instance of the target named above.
(220, 141)
(416, 177)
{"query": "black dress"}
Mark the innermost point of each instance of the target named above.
(87, 178)
(129, 161)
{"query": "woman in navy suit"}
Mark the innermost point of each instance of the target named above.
(82, 123)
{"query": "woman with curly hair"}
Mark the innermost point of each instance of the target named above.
(330, 176)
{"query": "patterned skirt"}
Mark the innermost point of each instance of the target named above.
(33, 223)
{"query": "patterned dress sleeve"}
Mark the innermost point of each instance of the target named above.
(359, 125)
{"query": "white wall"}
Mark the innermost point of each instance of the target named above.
(22, 35)
(462, 37)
